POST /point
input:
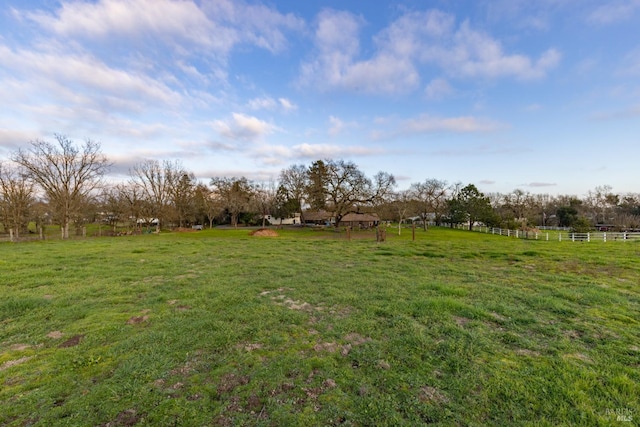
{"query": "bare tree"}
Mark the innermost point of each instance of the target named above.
(293, 182)
(16, 199)
(432, 199)
(602, 201)
(401, 202)
(207, 203)
(182, 192)
(159, 183)
(347, 187)
(265, 198)
(234, 194)
(134, 204)
(67, 174)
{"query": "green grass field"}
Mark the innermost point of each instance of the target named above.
(222, 328)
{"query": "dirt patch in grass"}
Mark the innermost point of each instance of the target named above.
(19, 347)
(10, 363)
(461, 321)
(130, 417)
(55, 334)
(432, 394)
(353, 340)
(72, 342)
(264, 232)
(249, 346)
(230, 381)
(134, 320)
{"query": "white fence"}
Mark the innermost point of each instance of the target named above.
(560, 235)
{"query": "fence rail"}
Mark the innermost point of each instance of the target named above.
(560, 235)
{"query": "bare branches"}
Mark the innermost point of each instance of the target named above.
(67, 174)
(16, 198)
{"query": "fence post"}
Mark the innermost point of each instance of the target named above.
(11, 234)
(547, 236)
(560, 236)
(604, 237)
(588, 237)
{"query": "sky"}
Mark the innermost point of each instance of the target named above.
(541, 96)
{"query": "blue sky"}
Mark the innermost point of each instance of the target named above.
(542, 96)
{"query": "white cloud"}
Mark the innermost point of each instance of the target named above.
(268, 103)
(475, 54)
(264, 103)
(82, 80)
(438, 89)
(464, 124)
(214, 27)
(287, 105)
(280, 154)
(413, 40)
(337, 126)
(243, 127)
(322, 151)
(614, 11)
(425, 124)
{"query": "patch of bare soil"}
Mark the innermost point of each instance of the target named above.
(10, 363)
(55, 334)
(461, 321)
(125, 418)
(230, 381)
(353, 340)
(19, 347)
(72, 342)
(264, 232)
(134, 320)
(249, 346)
(432, 394)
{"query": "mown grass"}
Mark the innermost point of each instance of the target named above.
(221, 328)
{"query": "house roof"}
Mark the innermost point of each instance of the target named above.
(360, 217)
(317, 215)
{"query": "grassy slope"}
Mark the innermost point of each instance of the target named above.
(219, 328)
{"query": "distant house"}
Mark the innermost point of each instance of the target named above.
(319, 218)
(294, 220)
(359, 220)
(147, 221)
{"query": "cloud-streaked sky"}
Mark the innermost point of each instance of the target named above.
(541, 95)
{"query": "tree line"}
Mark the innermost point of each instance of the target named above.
(64, 183)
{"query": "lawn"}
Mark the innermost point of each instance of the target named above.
(309, 328)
